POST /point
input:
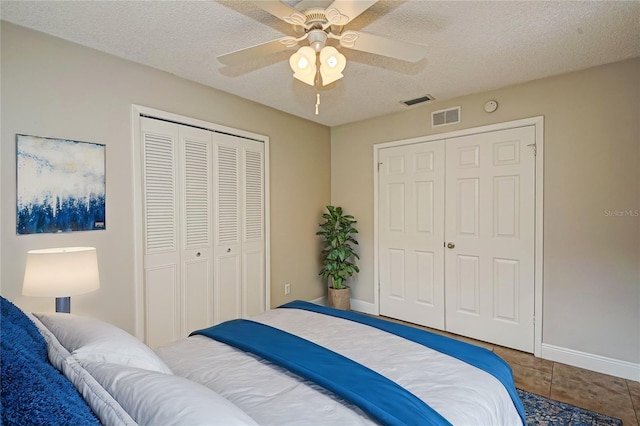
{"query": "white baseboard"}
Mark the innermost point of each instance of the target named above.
(356, 305)
(320, 301)
(601, 364)
(364, 307)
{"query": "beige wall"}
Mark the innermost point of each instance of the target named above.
(592, 165)
(54, 88)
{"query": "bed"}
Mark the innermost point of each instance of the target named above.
(300, 364)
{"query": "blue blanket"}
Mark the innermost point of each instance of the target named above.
(381, 398)
(474, 355)
(33, 391)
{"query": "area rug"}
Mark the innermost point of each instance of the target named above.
(548, 412)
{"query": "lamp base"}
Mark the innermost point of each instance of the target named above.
(63, 304)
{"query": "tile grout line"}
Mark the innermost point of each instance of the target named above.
(553, 372)
(636, 411)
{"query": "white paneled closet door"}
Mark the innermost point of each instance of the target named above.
(411, 231)
(239, 217)
(490, 230)
(456, 235)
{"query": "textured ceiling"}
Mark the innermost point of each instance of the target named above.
(472, 46)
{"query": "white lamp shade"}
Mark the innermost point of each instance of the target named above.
(303, 64)
(61, 272)
(332, 64)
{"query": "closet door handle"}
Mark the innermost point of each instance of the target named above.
(229, 250)
(451, 245)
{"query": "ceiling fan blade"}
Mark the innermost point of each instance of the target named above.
(281, 11)
(365, 42)
(348, 10)
(249, 53)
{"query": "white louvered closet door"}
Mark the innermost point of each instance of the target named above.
(253, 229)
(178, 237)
(204, 229)
(239, 227)
(161, 246)
(196, 233)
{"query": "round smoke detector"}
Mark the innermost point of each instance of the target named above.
(491, 106)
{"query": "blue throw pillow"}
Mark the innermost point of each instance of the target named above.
(33, 391)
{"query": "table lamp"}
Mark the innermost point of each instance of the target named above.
(61, 273)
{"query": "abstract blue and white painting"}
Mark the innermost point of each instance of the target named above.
(60, 185)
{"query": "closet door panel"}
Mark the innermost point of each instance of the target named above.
(227, 219)
(253, 281)
(159, 141)
(490, 235)
(228, 273)
(161, 309)
(197, 291)
(227, 191)
(253, 240)
(196, 235)
(411, 233)
(161, 246)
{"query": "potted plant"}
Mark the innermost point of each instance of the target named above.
(338, 254)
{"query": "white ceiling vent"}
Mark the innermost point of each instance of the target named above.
(445, 116)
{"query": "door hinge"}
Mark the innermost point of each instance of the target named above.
(534, 147)
(379, 164)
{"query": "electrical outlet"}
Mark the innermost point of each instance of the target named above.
(287, 288)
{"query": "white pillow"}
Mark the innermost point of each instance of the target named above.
(153, 398)
(103, 405)
(92, 340)
(56, 352)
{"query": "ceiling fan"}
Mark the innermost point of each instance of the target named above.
(323, 30)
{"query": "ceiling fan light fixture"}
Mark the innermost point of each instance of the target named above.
(332, 63)
(303, 64)
(319, 25)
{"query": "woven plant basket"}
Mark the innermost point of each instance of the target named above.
(341, 298)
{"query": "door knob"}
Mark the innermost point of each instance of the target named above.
(229, 250)
(451, 245)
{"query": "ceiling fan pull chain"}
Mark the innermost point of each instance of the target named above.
(317, 103)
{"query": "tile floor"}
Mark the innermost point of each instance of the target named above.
(598, 392)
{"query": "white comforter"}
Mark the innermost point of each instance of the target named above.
(463, 394)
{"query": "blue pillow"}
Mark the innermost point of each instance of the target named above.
(33, 391)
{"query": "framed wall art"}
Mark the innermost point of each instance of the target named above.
(61, 185)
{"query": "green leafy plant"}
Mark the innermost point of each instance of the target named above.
(337, 253)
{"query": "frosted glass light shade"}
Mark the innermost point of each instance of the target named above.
(303, 64)
(61, 272)
(332, 64)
